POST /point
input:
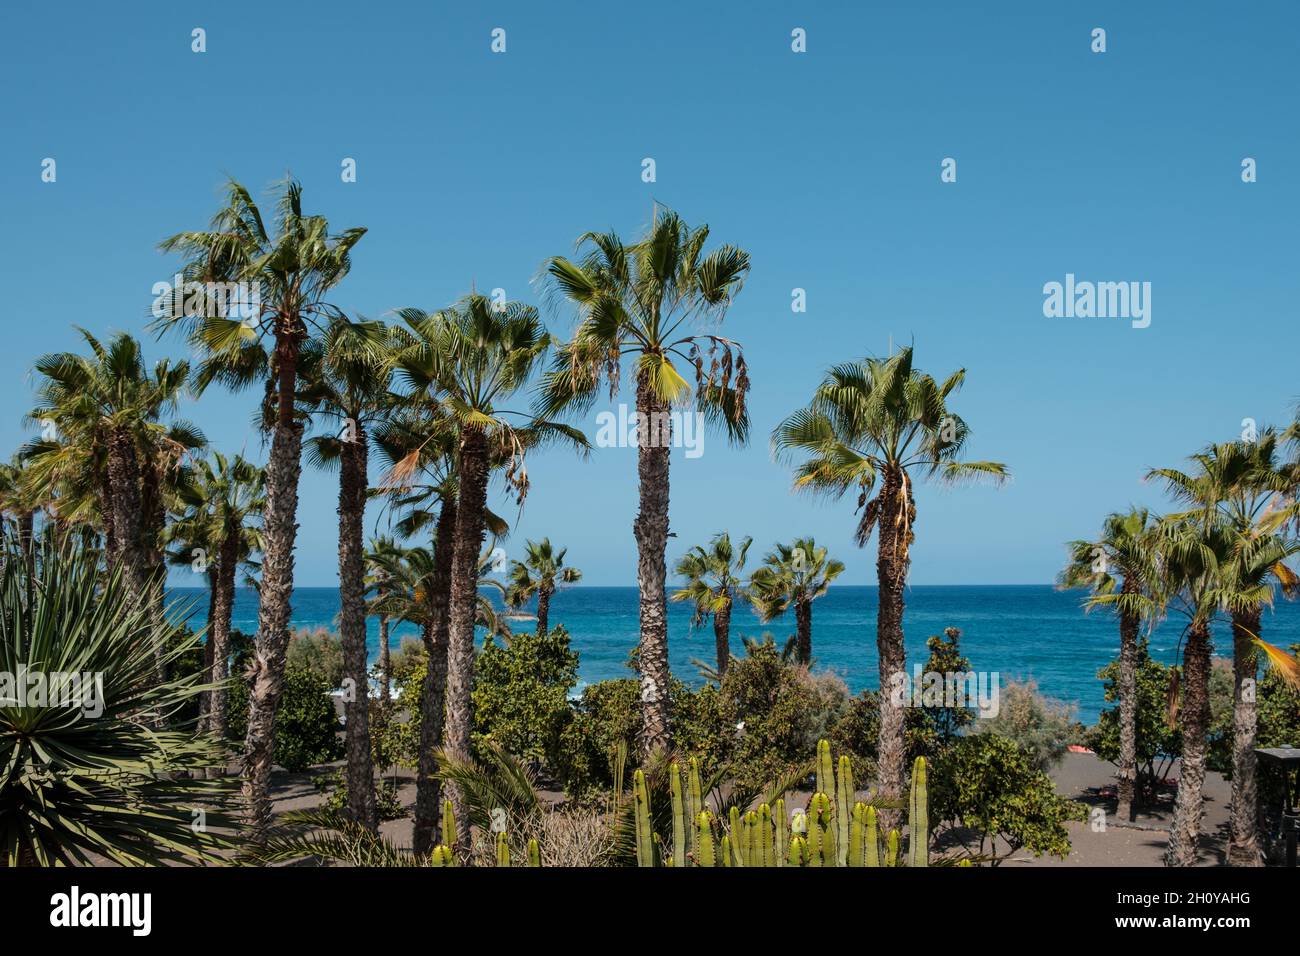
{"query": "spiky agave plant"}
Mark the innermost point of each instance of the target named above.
(95, 767)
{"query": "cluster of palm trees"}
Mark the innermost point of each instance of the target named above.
(791, 577)
(1221, 557)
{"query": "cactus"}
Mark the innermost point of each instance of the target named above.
(448, 825)
(767, 857)
(680, 824)
(781, 832)
(857, 834)
(891, 850)
(872, 839)
(534, 853)
(442, 856)
(645, 854)
(844, 794)
(724, 850)
(694, 800)
(798, 850)
(704, 848)
(825, 768)
(503, 850)
(918, 819)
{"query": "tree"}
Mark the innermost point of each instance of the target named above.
(1114, 568)
(1241, 489)
(713, 585)
(218, 532)
(472, 358)
(794, 575)
(876, 422)
(638, 302)
(541, 571)
(379, 553)
(291, 273)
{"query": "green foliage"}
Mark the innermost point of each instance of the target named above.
(521, 692)
(1157, 743)
(989, 784)
(319, 652)
(106, 769)
(306, 725)
(387, 803)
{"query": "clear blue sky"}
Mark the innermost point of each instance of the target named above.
(474, 167)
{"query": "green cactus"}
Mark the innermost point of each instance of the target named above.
(844, 794)
(503, 850)
(822, 810)
(825, 768)
(704, 846)
(448, 824)
(680, 819)
(724, 850)
(694, 798)
(857, 834)
(641, 811)
(781, 832)
(798, 850)
(918, 820)
(891, 850)
(442, 856)
(534, 853)
(872, 839)
(766, 854)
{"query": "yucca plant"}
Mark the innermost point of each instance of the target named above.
(99, 770)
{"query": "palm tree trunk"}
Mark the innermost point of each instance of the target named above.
(470, 512)
(651, 533)
(219, 631)
(1128, 654)
(1243, 848)
(543, 610)
(385, 662)
(352, 628)
(722, 638)
(436, 634)
(279, 531)
(205, 700)
(803, 631)
(124, 478)
(1186, 827)
(893, 528)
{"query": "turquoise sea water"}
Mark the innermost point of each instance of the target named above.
(1018, 631)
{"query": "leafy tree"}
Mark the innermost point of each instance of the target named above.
(1155, 743)
(521, 692)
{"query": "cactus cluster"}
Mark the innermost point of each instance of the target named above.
(831, 831)
(444, 854)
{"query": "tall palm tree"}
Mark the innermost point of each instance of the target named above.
(645, 302)
(794, 575)
(877, 422)
(714, 582)
(348, 389)
(541, 571)
(474, 357)
(292, 270)
(1116, 568)
(1241, 488)
(381, 550)
(223, 504)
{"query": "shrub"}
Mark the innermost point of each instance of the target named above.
(521, 692)
(306, 725)
(387, 804)
(1157, 743)
(319, 652)
(988, 783)
(1041, 727)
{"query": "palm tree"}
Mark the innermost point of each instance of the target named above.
(379, 553)
(1116, 568)
(472, 358)
(713, 585)
(878, 421)
(348, 387)
(541, 571)
(223, 503)
(292, 271)
(1241, 489)
(794, 575)
(643, 301)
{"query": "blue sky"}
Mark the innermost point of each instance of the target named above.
(473, 167)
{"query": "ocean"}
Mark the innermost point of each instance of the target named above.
(1018, 631)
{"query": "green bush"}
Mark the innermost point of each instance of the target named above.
(521, 692)
(334, 784)
(320, 652)
(1041, 727)
(1157, 744)
(987, 783)
(306, 725)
